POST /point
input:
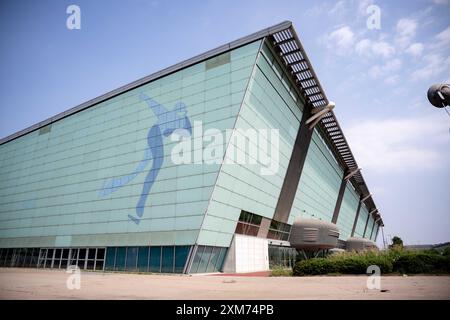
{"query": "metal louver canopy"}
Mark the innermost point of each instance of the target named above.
(295, 59)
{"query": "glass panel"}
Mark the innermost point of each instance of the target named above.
(81, 264)
(196, 262)
(204, 260)
(256, 219)
(56, 263)
(73, 257)
(25, 257)
(120, 258)
(90, 265)
(240, 228)
(155, 259)
(82, 254)
(132, 253)
(99, 265)
(48, 263)
(28, 256)
(110, 258)
(249, 224)
(281, 256)
(167, 259)
(65, 253)
(100, 254)
(272, 235)
(181, 254)
(274, 225)
(91, 253)
(63, 264)
(212, 262)
(42, 257)
(16, 258)
(49, 253)
(9, 255)
(252, 231)
(142, 264)
(31, 253)
(33, 258)
(245, 217)
(58, 253)
(250, 218)
(221, 258)
(20, 260)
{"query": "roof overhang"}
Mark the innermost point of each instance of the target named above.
(295, 59)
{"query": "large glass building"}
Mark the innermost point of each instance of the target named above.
(99, 185)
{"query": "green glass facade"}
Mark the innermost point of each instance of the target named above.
(362, 219)
(347, 213)
(241, 186)
(77, 185)
(50, 182)
(318, 189)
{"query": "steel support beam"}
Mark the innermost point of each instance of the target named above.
(371, 232)
(340, 197)
(264, 228)
(365, 228)
(356, 218)
(295, 168)
(376, 234)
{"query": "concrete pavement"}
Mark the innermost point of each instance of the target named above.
(51, 284)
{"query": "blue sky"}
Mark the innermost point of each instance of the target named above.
(378, 78)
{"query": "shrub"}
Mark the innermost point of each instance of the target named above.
(446, 251)
(397, 242)
(396, 260)
(345, 263)
(314, 266)
(422, 262)
(431, 251)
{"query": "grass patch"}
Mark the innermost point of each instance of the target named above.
(278, 271)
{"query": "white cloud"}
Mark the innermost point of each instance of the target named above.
(443, 38)
(415, 49)
(406, 31)
(441, 1)
(364, 47)
(367, 47)
(341, 40)
(435, 64)
(316, 10)
(389, 67)
(362, 7)
(383, 48)
(400, 144)
(338, 9)
(391, 80)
